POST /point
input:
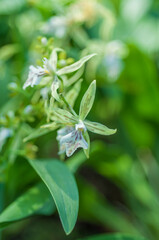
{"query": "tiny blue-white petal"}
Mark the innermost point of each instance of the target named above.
(71, 138)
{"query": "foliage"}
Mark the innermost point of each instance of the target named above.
(50, 53)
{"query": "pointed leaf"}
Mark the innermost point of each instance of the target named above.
(37, 133)
(51, 126)
(54, 87)
(63, 116)
(99, 128)
(87, 138)
(72, 95)
(63, 189)
(36, 200)
(75, 66)
(87, 101)
(53, 58)
(76, 76)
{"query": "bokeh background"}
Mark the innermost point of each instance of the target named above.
(119, 183)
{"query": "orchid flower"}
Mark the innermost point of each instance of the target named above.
(74, 135)
(50, 68)
(72, 138)
(36, 73)
(35, 76)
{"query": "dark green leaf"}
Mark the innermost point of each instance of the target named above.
(36, 200)
(63, 189)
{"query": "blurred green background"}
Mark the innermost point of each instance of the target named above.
(119, 184)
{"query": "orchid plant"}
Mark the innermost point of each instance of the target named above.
(73, 128)
(47, 98)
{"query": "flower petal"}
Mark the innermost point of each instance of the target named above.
(61, 133)
(77, 141)
(53, 58)
(64, 117)
(34, 77)
(54, 87)
(87, 101)
(73, 140)
(99, 128)
(75, 66)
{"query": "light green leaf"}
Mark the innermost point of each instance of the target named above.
(87, 151)
(74, 78)
(113, 237)
(63, 189)
(72, 95)
(53, 58)
(54, 87)
(8, 51)
(63, 116)
(36, 200)
(99, 128)
(37, 133)
(87, 101)
(75, 66)
(51, 126)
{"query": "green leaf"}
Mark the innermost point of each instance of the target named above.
(51, 126)
(38, 132)
(76, 76)
(87, 151)
(36, 200)
(54, 87)
(8, 51)
(99, 128)
(40, 199)
(53, 58)
(113, 237)
(87, 101)
(75, 66)
(63, 189)
(63, 116)
(72, 95)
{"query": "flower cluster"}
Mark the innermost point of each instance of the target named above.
(73, 128)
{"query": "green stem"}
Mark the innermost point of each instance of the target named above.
(68, 105)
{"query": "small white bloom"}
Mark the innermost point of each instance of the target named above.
(36, 73)
(44, 41)
(57, 26)
(71, 138)
(113, 60)
(48, 66)
(114, 66)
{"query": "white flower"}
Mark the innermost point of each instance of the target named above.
(114, 66)
(36, 73)
(57, 26)
(44, 41)
(71, 138)
(113, 60)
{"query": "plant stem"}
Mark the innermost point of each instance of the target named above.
(68, 105)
